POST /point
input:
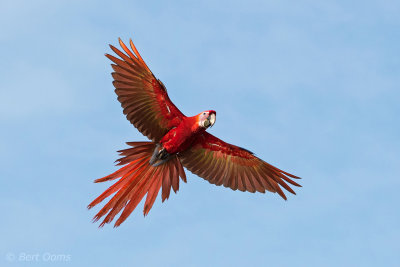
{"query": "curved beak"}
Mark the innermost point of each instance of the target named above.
(211, 119)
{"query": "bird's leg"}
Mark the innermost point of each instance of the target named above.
(163, 154)
(153, 158)
(159, 154)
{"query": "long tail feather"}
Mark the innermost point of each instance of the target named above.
(136, 179)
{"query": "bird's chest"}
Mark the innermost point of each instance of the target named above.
(179, 139)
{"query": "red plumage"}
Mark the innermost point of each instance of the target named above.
(177, 141)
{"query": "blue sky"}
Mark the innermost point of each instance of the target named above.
(310, 86)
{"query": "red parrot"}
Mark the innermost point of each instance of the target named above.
(177, 141)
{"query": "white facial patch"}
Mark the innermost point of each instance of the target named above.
(207, 120)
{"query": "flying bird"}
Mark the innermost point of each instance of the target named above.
(177, 142)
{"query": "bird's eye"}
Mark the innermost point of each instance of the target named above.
(204, 113)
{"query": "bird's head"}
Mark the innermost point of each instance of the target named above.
(206, 118)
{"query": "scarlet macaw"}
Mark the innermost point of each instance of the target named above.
(177, 141)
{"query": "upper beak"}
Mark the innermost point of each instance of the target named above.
(211, 119)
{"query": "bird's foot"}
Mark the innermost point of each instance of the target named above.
(160, 156)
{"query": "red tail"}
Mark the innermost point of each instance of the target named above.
(137, 178)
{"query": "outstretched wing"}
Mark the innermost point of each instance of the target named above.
(221, 163)
(143, 97)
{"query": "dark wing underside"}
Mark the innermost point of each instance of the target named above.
(143, 97)
(224, 164)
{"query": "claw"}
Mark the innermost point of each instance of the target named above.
(153, 158)
(160, 155)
